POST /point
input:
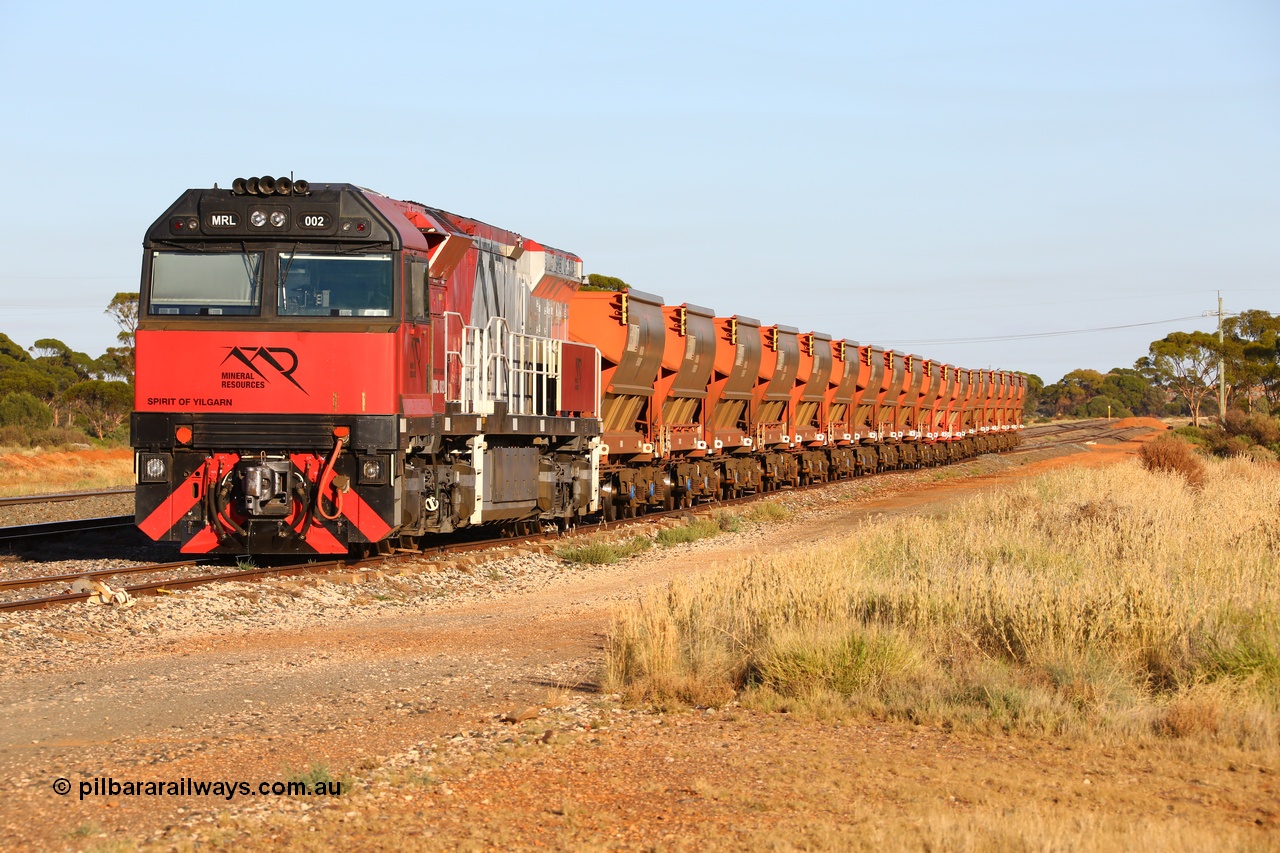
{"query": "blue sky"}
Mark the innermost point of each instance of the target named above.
(908, 174)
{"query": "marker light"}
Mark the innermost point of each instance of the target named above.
(183, 434)
(277, 218)
(257, 219)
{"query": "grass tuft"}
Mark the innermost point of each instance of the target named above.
(597, 553)
(701, 528)
(767, 512)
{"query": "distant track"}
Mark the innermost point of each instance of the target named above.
(1055, 435)
(21, 500)
(59, 528)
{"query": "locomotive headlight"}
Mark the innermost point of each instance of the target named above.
(153, 468)
(257, 219)
(373, 471)
(278, 218)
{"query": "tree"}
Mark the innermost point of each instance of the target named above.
(1133, 391)
(1102, 406)
(598, 282)
(105, 405)
(123, 308)
(1251, 349)
(1035, 388)
(11, 354)
(60, 358)
(1071, 391)
(115, 363)
(1187, 363)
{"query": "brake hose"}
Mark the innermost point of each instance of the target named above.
(326, 478)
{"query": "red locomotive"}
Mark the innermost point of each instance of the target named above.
(321, 368)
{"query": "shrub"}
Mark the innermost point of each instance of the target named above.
(59, 437)
(14, 436)
(1195, 435)
(1261, 455)
(1234, 422)
(1237, 445)
(1262, 429)
(21, 409)
(1169, 453)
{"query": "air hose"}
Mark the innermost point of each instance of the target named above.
(327, 478)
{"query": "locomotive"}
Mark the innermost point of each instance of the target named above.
(324, 369)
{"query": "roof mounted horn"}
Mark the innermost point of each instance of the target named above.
(268, 185)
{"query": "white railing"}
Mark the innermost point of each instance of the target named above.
(495, 365)
(535, 375)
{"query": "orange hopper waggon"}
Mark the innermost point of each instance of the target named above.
(321, 369)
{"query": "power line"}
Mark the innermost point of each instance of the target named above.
(1033, 335)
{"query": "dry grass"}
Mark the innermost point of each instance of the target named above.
(31, 472)
(1116, 600)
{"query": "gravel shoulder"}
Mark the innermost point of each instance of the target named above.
(396, 686)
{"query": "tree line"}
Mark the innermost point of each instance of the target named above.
(1179, 376)
(53, 395)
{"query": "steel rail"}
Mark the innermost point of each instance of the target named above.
(156, 587)
(58, 528)
(20, 500)
(22, 583)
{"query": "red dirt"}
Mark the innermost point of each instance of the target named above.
(1151, 423)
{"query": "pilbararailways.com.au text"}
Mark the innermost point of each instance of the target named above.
(227, 789)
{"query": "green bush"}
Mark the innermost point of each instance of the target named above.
(21, 409)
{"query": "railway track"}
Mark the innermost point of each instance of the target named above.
(26, 500)
(1056, 435)
(9, 535)
(1059, 434)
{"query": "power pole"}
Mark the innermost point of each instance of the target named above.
(1222, 368)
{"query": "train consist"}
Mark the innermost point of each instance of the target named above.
(321, 368)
